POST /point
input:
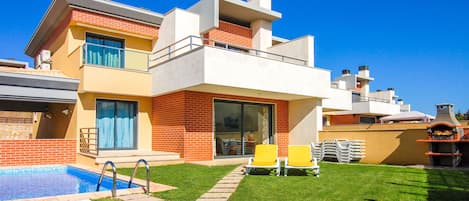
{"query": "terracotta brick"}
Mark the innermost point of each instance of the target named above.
(232, 34)
(344, 119)
(103, 21)
(37, 152)
(183, 123)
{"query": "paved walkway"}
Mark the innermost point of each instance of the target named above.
(225, 187)
(139, 197)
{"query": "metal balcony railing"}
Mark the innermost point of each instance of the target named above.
(190, 43)
(89, 141)
(112, 57)
(356, 99)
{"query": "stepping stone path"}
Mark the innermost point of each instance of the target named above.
(225, 187)
(139, 197)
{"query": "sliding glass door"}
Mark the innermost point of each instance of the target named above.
(240, 126)
(117, 124)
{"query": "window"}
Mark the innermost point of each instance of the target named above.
(367, 120)
(104, 51)
(230, 47)
(240, 126)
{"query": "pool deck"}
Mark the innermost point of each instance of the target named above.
(154, 187)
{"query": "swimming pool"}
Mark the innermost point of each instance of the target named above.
(33, 182)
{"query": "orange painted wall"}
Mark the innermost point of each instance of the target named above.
(183, 123)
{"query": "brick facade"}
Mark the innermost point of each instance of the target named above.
(114, 23)
(232, 34)
(103, 21)
(37, 152)
(183, 123)
(344, 119)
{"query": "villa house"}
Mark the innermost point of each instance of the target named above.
(367, 107)
(200, 84)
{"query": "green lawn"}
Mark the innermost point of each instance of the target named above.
(357, 182)
(191, 180)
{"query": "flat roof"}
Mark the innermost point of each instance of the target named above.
(59, 9)
(13, 63)
(245, 12)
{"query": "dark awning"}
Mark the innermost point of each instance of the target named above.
(37, 88)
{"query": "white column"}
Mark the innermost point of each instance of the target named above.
(305, 121)
(261, 34)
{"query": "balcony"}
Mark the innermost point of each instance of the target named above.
(114, 70)
(112, 57)
(204, 65)
(339, 100)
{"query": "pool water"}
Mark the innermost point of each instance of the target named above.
(33, 182)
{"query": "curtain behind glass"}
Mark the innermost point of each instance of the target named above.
(112, 56)
(125, 125)
(105, 52)
(94, 52)
(105, 123)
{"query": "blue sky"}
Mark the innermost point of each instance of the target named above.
(419, 47)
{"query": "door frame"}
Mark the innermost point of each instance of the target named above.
(271, 108)
(135, 121)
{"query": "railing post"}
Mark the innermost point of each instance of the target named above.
(169, 52)
(97, 141)
(119, 59)
(85, 52)
(190, 42)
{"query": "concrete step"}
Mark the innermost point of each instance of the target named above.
(130, 157)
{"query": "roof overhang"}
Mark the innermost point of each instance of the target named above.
(59, 9)
(245, 12)
(37, 88)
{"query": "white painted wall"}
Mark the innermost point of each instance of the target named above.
(350, 81)
(385, 95)
(245, 71)
(177, 24)
(301, 48)
(214, 66)
(339, 99)
(304, 120)
(373, 107)
(266, 4)
(405, 108)
(208, 10)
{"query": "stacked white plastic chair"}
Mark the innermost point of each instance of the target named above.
(357, 149)
(342, 151)
(317, 151)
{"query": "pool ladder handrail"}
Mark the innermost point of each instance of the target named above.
(113, 177)
(147, 167)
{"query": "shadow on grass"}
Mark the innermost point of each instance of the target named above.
(448, 184)
(291, 172)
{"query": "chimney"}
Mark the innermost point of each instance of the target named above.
(266, 4)
(364, 71)
(400, 101)
(345, 72)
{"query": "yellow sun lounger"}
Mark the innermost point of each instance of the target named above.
(266, 157)
(300, 157)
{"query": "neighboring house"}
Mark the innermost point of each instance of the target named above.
(204, 83)
(367, 107)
